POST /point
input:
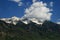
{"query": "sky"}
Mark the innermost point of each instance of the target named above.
(10, 8)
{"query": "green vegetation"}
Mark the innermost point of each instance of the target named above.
(32, 31)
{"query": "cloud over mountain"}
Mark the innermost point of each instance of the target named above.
(38, 10)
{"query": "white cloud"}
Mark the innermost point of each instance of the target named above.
(38, 10)
(18, 1)
(51, 4)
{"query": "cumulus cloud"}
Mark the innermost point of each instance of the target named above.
(38, 10)
(18, 1)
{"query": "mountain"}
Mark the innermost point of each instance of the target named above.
(30, 31)
(12, 20)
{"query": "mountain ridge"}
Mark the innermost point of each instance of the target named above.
(14, 20)
(31, 31)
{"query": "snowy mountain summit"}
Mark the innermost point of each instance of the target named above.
(14, 20)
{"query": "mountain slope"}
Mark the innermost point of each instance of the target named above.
(31, 31)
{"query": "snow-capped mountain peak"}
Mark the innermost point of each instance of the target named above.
(26, 21)
(36, 21)
(14, 20)
(58, 22)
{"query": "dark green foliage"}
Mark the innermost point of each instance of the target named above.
(31, 31)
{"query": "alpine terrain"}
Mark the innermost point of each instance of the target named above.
(23, 29)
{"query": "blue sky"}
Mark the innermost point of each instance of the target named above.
(10, 8)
